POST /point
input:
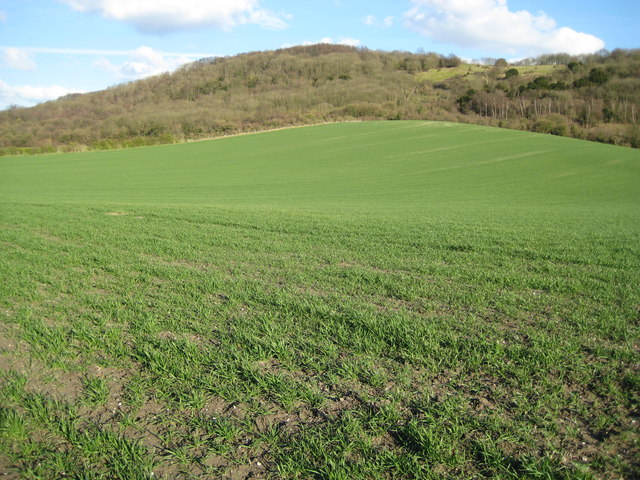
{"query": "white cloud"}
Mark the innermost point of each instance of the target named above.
(163, 16)
(3, 16)
(351, 42)
(27, 95)
(372, 21)
(17, 59)
(489, 24)
(143, 62)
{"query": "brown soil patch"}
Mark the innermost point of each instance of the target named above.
(8, 470)
(190, 337)
(178, 263)
(48, 236)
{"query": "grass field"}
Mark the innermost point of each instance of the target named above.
(442, 74)
(363, 300)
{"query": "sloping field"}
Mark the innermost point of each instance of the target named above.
(441, 74)
(364, 300)
(346, 167)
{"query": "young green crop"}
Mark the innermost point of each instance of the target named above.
(371, 300)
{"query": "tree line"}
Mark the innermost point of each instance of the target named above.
(595, 97)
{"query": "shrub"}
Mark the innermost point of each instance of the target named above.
(553, 124)
(633, 135)
(598, 76)
(511, 73)
(363, 110)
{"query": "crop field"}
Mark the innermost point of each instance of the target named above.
(401, 300)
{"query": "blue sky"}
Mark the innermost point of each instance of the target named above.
(50, 48)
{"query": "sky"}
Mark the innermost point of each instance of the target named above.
(50, 48)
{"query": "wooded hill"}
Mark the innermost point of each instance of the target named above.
(595, 97)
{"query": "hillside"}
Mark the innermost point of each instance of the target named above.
(593, 97)
(392, 300)
(382, 166)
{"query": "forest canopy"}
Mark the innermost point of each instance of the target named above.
(594, 97)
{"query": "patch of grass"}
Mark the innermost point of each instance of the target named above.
(376, 300)
(96, 390)
(442, 74)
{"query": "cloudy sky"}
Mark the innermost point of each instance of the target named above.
(49, 48)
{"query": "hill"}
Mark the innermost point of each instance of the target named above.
(591, 97)
(362, 300)
(371, 166)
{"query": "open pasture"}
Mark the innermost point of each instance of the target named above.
(442, 74)
(361, 300)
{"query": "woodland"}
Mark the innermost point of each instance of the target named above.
(594, 97)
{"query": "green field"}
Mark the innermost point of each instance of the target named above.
(442, 74)
(362, 300)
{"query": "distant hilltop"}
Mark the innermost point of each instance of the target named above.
(594, 97)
